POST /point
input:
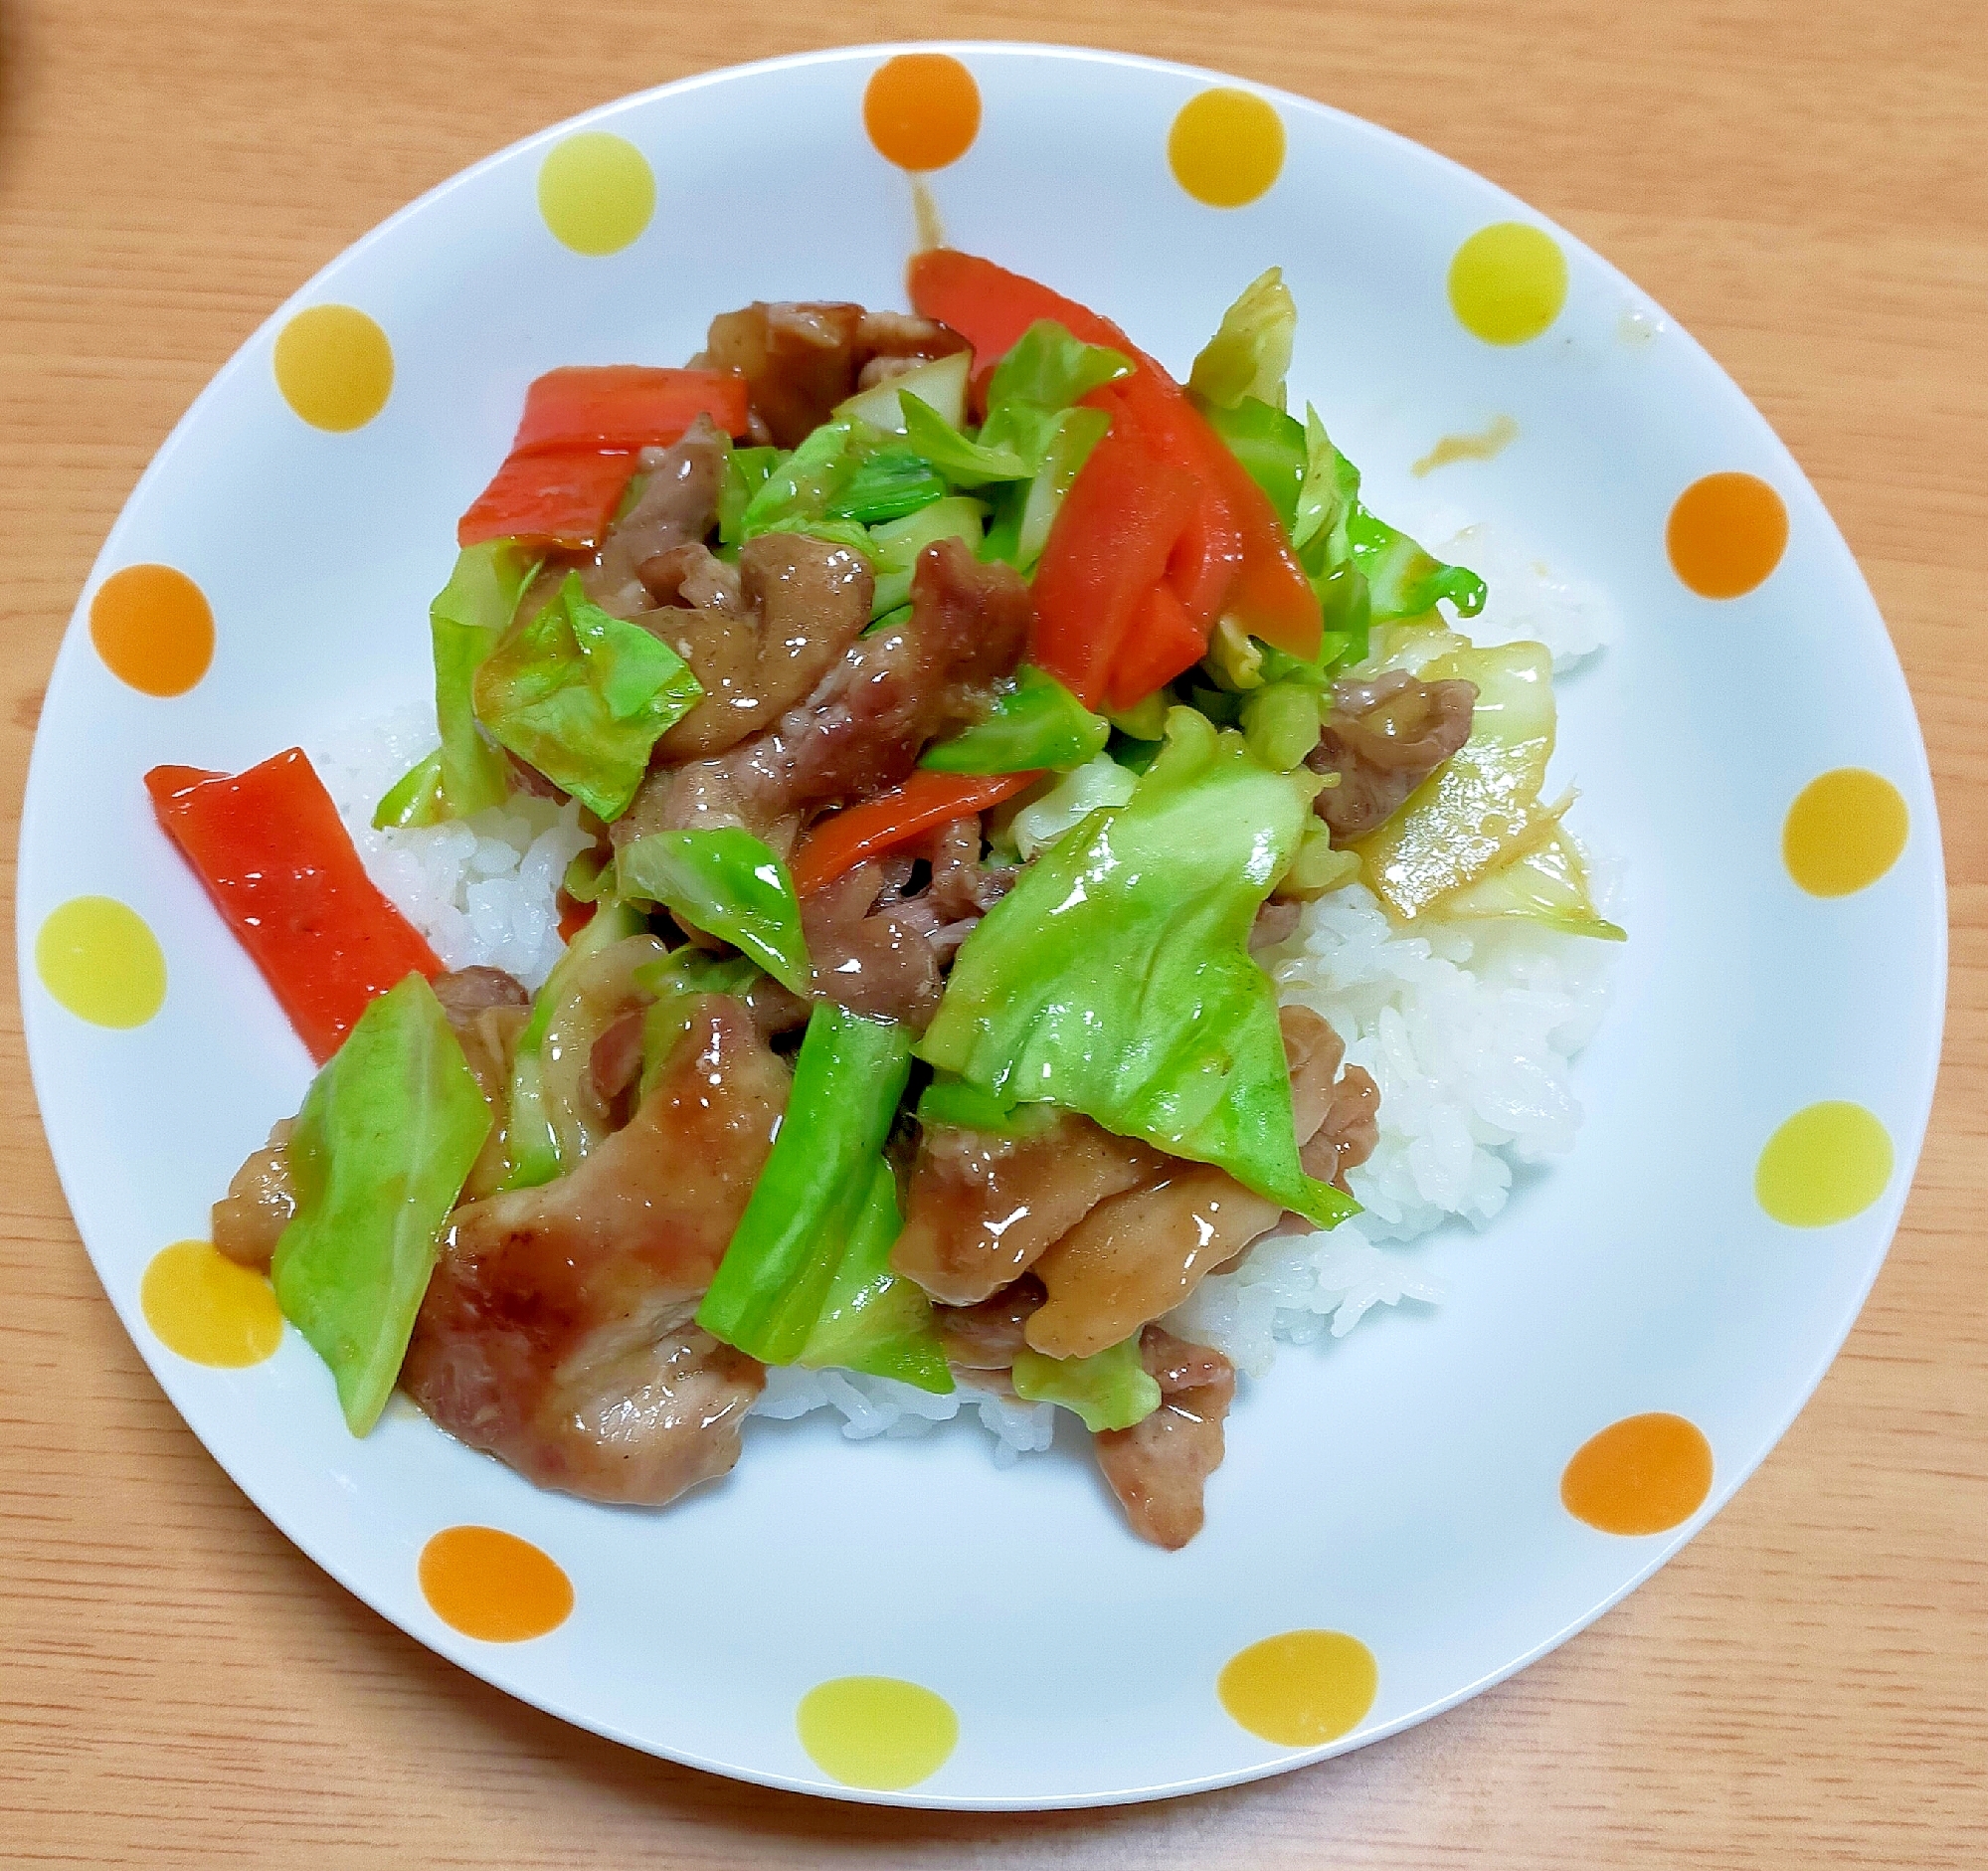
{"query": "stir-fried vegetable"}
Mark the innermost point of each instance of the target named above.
(873, 1320)
(277, 861)
(1250, 353)
(923, 803)
(553, 1125)
(1115, 979)
(727, 884)
(576, 448)
(775, 1280)
(1035, 724)
(584, 697)
(1109, 1390)
(679, 979)
(389, 1131)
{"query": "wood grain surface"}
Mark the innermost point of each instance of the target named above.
(1805, 186)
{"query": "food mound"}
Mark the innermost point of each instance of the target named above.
(950, 709)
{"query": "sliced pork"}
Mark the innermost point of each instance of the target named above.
(1383, 739)
(677, 506)
(1159, 1468)
(557, 1332)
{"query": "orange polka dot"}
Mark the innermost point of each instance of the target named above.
(922, 109)
(1726, 533)
(1226, 146)
(202, 1306)
(492, 1585)
(1845, 829)
(1300, 1689)
(1644, 1474)
(153, 627)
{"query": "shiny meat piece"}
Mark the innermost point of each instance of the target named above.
(983, 1209)
(555, 1334)
(1275, 923)
(987, 1337)
(1336, 1115)
(1383, 740)
(801, 603)
(677, 505)
(694, 578)
(872, 961)
(1139, 1254)
(250, 1218)
(1159, 1468)
(861, 731)
(800, 361)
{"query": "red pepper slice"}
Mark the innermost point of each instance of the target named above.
(559, 502)
(620, 408)
(1268, 593)
(925, 800)
(1163, 641)
(272, 854)
(576, 448)
(1114, 537)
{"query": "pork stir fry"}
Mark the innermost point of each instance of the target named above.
(959, 716)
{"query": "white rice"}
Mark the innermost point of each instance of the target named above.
(1470, 1032)
(482, 890)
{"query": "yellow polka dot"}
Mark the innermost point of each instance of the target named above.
(98, 959)
(1300, 1689)
(1644, 1474)
(1226, 146)
(153, 627)
(208, 1310)
(1844, 831)
(876, 1732)
(1725, 534)
(334, 367)
(597, 192)
(922, 111)
(1824, 1165)
(492, 1585)
(1508, 282)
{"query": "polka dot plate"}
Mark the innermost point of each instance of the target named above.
(1405, 1516)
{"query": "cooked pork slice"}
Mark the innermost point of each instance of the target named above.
(1139, 1254)
(488, 1010)
(250, 1218)
(872, 961)
(1159, 1468)
(556, 1331)
(677, 505)
(800, 361)
(987, 1337)
(860, 730)
(800, 604)
(981, 1208)
(1336, 1113)
(1383, 740)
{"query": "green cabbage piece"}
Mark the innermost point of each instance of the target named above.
(1250, 353)
(873, 1320)
(890, 485)
(1271, 447)
(729, 885)
(466, 620)
(1110, 1390)
(584, 696)
(896, 544)
(1115, 979)
(389, 1132)
(1038, 723)
(773, 1283)
(747, 471)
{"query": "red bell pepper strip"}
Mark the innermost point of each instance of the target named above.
(1163, 642)
(620, 408)
(549, 502)
(1269, 594)
(576, 447)
(925, 800)
(1113, 538)
(270, 850)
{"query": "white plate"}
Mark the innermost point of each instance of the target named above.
(1402, 1486)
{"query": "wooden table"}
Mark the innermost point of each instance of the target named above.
(1802, 185)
